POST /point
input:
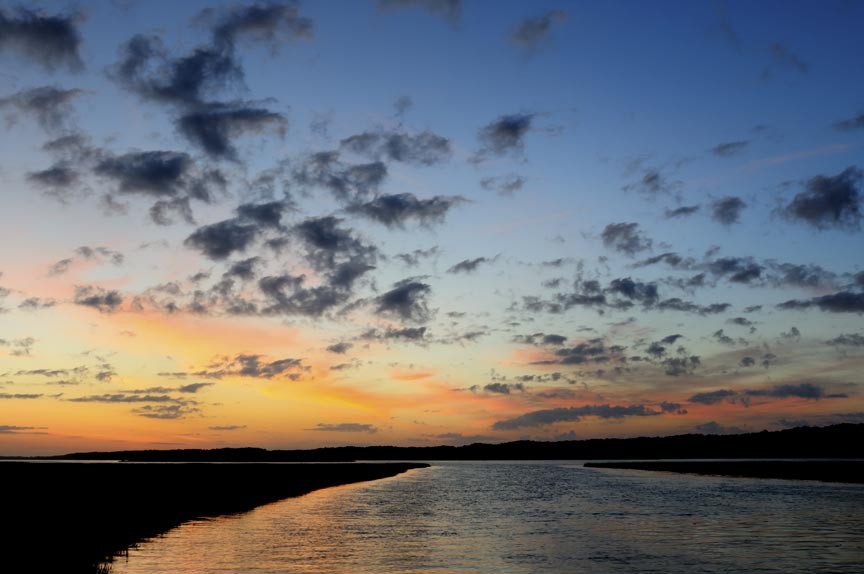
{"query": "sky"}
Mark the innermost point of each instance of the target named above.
(424, 222)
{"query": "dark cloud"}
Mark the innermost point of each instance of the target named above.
(727, 210)
(241, 365)
(15, 429)
(153, 173)
(506, 135)
(574, 414)
(329, 246)
(52, 107)
(50, 40)
(541, 339)
(267, 214)
(340, 348)
(449, 10)
(470, 265)
(849, 124)
(503, 388)
(406, 301)
(645, 293)
(346, 182)
(414, 257)
(104, 300)
(146, 68)
(345, 427)
(35, 303)
(829, 201)
(396, 210)
(220, 240)
(677, 366)
(287, 295)
(713, 427)
(59, 179)
(625, 238)
(212, 127)
(840, 302)
(683, 211)
(652, 182)
(14, 396)
(406, 334)
(729, 149)
(808, 391)
(503, 184)
(792, 335)
(425, 148)
(747, 361)
(783, 58)
(271, 23)
(227, 428)
(533, 32)
(849, 340)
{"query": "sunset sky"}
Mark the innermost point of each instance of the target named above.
(423, 222)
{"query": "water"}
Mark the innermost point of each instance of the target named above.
(528, 517)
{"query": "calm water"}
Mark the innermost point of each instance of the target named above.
(529, 517)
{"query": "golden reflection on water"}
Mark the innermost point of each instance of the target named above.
(527, 517)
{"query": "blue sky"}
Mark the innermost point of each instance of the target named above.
(427, 221)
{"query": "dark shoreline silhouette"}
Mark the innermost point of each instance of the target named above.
(837, 441)
(71, 517)
(850, 471)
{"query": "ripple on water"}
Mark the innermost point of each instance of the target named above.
(528, 517)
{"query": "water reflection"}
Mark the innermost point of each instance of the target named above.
(529, 517)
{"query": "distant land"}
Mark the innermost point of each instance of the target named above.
(836, 441)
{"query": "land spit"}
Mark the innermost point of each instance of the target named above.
(825, 470)
(71, 516)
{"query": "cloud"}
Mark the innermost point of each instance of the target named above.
(345, 427)
(505, 185)
(406, 333)
(166, 412)
(340, 348)
(470, 265)
(503, 388)
(849, 124)
(714, 427)
(625, 238)
(414, 257)
(849, 340)
(727, 210)
(335, 249)
(652, 183)
(212, 127)
(783, 58)
(829, 201)
(17, 396)
(809, 391)
(574, 414)
(106, 301)
(15, 429)
(683, 211)
(541, 339)
(533, 32)
(506, 135)
(273, 23)
(52, 107)
(397, 209)
(449, 10)
(227, 428)
(840, 302)
(425, 148)
(729, 149)
(346, 182)
(240, 365)
(406, 301)
(49, 40)
(220, 240)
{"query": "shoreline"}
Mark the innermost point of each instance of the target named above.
(845, 471)
(75, 518)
